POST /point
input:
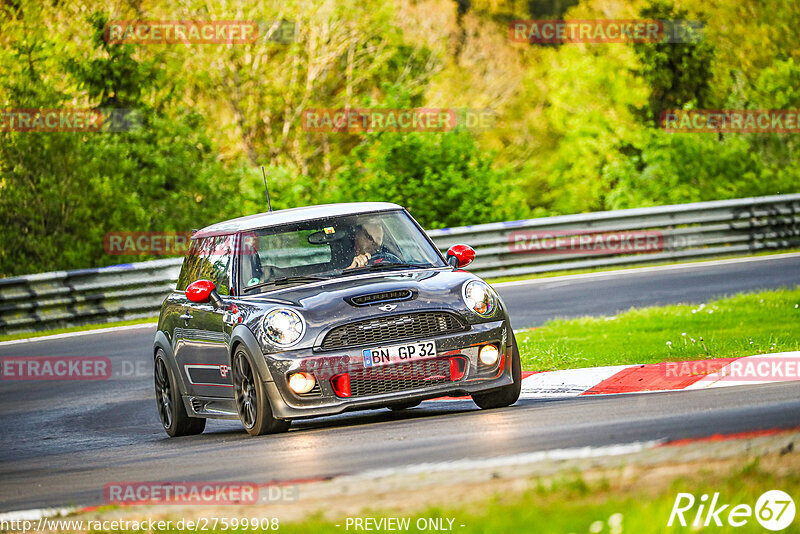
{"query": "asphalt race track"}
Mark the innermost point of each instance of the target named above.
(63, 441)
(532, 304)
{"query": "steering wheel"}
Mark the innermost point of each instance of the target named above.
(383, 257)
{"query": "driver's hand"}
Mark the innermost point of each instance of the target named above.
(360, 260)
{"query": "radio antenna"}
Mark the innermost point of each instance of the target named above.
(269, 203)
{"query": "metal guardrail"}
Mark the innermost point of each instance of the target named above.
(684, 231)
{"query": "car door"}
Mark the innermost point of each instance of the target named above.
(203, 354)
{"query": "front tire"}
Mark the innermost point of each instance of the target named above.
(251, 398)
(507, 395)
(171, 411)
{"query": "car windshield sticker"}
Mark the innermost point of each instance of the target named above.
(329, 230)
(252, 281)
(367, 357)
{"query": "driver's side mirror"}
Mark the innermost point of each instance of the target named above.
(203, 291)
(459, 256)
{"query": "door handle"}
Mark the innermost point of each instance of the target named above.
(186, 316)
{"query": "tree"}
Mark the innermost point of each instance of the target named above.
(62, 191)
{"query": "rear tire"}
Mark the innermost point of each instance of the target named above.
(507, 395)
(171, 411)
(252, 402)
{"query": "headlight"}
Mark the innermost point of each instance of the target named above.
(284, 327)
(479, 297)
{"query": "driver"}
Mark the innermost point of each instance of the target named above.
(368, 239)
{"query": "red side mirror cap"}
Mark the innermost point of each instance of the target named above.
(463, 254)
(200, 291)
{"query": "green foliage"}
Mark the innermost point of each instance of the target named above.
(610, 153)
(62, 191)
(575, 130)
(678, 73)
(443, 179)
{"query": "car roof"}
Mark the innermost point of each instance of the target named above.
(292, 215)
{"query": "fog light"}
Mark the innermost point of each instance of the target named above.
(488, 354)
(341, 385)
(301, 382)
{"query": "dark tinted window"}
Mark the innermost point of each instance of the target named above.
(208, 259)
(328, 247)
(191, 266)
(216, 265)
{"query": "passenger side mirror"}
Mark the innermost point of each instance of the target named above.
(459, 256)
(203, 291)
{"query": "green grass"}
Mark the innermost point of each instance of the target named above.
(570, 504)
(743, 325)
(575, 506)
(552, 274)
(82, 328)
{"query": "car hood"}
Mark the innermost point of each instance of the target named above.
(326, 304)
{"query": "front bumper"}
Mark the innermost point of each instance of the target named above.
(325, 365)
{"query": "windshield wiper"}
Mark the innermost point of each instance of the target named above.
(384, 266)
(287, 280)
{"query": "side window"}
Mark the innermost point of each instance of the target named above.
(220, 264)
(208, 259)
(191, 266)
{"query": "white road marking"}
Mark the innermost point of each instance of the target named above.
(35, 514)
(566, 383)
(80, 333)
(504, 461)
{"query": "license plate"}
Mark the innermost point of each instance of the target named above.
(398, 353)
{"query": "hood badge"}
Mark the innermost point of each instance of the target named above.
(387, 307)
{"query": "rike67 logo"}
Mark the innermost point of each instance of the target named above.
(774, 510)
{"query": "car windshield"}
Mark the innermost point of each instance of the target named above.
(319, 249)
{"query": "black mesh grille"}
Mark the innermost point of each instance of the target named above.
(392, 328)
(383, 296)
(399, 377)
(316, 391)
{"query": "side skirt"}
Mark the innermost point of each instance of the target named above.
(210, 407)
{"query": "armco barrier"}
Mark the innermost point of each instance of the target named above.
(700, 230)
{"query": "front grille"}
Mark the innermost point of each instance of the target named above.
(399, 377)
(383, 296)
(392, 328)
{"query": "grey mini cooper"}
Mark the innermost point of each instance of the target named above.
(315, 311)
